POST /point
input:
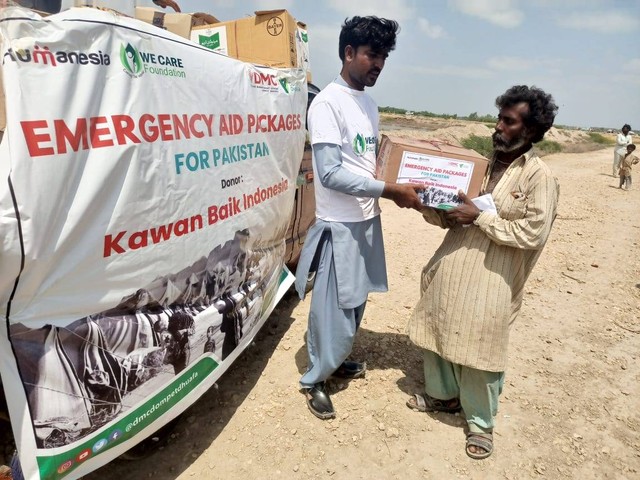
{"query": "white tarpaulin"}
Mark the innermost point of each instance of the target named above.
(146, 185)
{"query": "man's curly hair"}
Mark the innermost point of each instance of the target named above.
(542, 108)
(379, 33)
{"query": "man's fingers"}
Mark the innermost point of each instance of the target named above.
(463, 196)
(167, 3)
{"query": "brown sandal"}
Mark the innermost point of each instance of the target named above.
(479, 440)
(426, 403)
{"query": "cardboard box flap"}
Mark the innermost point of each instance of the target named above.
(178, 23)
(442, 146)
(201, 18)
(269, 12)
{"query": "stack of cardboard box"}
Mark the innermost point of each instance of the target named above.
(270, 37)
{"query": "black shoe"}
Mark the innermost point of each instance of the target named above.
(319, 402)
(350, 370)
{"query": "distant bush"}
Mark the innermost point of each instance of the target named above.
(548, 146)
(481, 118)
(482, 145)
(600, 139)
(400, 111)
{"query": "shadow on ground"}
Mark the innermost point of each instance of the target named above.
(386, 351)
(213, 410)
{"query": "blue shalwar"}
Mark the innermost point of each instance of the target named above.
(349, 262)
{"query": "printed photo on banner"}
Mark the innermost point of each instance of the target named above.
(114, 359)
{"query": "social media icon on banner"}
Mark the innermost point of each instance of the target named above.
(115, 435)
(65, 466)
(99, 445)
(83, 455)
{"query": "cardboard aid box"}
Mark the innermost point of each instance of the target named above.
(178, 23)
(219, 37)
(442, 168)
(271, 37)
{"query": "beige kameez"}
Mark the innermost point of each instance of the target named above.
(471, 289)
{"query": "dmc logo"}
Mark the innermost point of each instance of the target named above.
(457, 164)
(258, 78)
(131, 61)
(359, 145)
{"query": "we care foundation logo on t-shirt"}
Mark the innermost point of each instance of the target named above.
(362, 144)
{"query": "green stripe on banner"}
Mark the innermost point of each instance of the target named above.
(60, 465)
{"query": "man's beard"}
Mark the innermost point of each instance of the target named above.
(501, 145)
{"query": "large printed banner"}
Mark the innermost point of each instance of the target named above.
(146, 186)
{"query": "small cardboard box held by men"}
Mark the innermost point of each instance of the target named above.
(442, 168)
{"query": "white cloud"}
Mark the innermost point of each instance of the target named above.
(601, 22)
(273, 4)
(324, 34)
(429, 29)
(632, 80)
(630, 73)
(569, 3)
(453, 71)
(632, 66)
(510, 63)
(503, 13)
(398, 10)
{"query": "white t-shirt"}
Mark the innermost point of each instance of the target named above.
(340, 115)
(622, 141)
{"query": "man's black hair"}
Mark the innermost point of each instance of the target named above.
(626, 125)
(542, 108)
(379, 33)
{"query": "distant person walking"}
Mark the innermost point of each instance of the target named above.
(622, 140)
(626, 164)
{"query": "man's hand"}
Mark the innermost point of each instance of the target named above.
(167, 3)
(403, 194)
(464, 214)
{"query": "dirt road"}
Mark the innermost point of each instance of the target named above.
(570, 405)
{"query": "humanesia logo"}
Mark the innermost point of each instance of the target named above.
(359, 145)
(43, 55)
(131, 61)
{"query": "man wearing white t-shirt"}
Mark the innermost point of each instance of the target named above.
(344, 247)
(622, 140)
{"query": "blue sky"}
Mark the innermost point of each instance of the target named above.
(456, 56)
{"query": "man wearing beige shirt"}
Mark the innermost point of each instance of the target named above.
(471, 289)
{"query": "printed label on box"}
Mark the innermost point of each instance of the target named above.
(214, 38)
(302, 48)
(444, 177)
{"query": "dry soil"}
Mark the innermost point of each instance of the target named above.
(569, 408)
